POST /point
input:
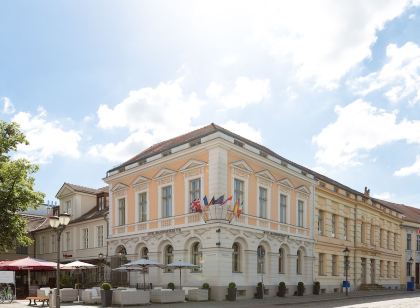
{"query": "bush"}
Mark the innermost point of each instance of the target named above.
(317, 288)
(205, 286)
(77, 285)
(106, 286)
(232, 285)
(300, 288)
(171, 286)
(66, 281)
(259, 285)
(282, 289)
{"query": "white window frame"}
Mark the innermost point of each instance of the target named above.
(118, 210)
(303, 215)
(97, 235)
(245, 201)
(83, 242)
(267, 202)
(136, 200)
(68, 205)
(187, 180)
(287, 195)
(160, 187)
(67, 243)
(334, 219)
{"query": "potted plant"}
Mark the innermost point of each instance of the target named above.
(317, 287)
(206, 286)
(231, 292)
(106, 294)
(282, 289)
(171, 286)
(260, 291)
(300, 288)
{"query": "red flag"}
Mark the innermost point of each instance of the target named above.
(196, 206)
(227, 200)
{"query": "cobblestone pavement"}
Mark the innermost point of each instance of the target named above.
(355, 300)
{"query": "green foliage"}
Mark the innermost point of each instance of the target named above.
(300, 288)
(259, 285)
(106, 286)
(232, 285)
(66, 281)
(205, 286)
(282, 289)
(317, 287)
(16, 188)
(171, 286)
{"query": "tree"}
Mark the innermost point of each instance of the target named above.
(17, 192)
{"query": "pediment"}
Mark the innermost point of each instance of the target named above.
(191, 164)
(286, 182)
(140, 180)
(303, 189)
(241, 164)
(65, 190)
(265, 174)
(119, 186)
(164, 172)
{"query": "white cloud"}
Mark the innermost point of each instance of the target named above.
(46, 139)
(414, 169)
(399, 77)
(359, 128)
(8, 107)
(245, 91)
(384, 196)
(244, 129)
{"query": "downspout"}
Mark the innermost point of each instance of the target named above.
(312, 228)
(354, 245)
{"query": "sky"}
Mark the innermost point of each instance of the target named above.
(331, 85)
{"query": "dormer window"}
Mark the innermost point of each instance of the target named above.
(67, 208)
(102, 203)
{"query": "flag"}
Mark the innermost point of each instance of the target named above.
(236, 208)
(240, 209)
(205, 201)
(196, 206)
(227, 200)
(219, 200)
(211, 201)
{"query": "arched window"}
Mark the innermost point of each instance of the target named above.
(196, 256)
(299, 262)
(168, 256)
(236, 258)
(260, 259)
(144, 253)
(282, 261)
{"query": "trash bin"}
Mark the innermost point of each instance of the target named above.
(410, 286)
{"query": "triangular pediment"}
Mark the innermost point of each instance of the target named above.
(285, 182)
(265, 174)
(303, 189)
(241, 164)
(65, 190)
(164, 172)
(140, 180)
(191, 164)
(119, 186)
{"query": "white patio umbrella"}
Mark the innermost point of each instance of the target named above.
(144, 263)
(77, 265)
(181, 265)
(130, 269)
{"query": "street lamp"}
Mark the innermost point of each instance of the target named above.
(58, 224)
(120, 254)
(411, 260)
(101, 259)
(346, 267)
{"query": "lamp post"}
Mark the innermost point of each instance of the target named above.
(346, 268)
(101, 260)
(120, 254)
(58, 224)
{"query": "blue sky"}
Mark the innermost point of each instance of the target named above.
(332, 85)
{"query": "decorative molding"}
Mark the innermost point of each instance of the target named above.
(266, 175)
(303, 189)
(192, 164)
(285, 184)
(243, 166)
(232, 231)
(164, 172)
(141, 183)
(119, 187)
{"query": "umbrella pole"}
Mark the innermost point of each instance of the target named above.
(180, 272)
(144, 278)
(29, 281)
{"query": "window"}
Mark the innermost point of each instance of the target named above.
(238, 190)
(196, 256)
(236, 258)
(121, 212)
(408, 241)
(333, 225)
(101, 203)
(395, 269)
(168, 256)
(282, 261)
(300, 213)
(53, 243)
(381, 268)
(418, 243)
(381, 238)
(261, 259)
(299, 262)
(67, 241)
(388, 240)
(321, 222)
(283, 208)
(334, 265)
(263, 202)
(388, 269)
(100, 236)
(68, 208)
(166, 201)
(321, 264)
(142, 199)
(363, 232)
(144, 254)
(194, 190)
(408, 269)
(85, 238)
(346, 228)
(372, 235)
(395, 241)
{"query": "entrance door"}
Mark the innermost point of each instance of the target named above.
(372, 271)
(417, 272)
(363, 270)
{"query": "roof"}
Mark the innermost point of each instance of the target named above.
(92, 214)
(410, 213)
(84, 189)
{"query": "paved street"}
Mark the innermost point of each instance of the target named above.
(355, 300)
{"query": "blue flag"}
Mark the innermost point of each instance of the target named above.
(219, 200)
(205, 201)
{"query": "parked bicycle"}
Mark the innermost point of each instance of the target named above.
(6, 294)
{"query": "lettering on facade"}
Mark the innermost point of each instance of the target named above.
(164, 231)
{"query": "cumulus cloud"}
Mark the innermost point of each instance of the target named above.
(8, 107)
(399, 77)
(414, 169)
(46, 138)
(384, 196)
(244, 92)
(358, 129)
